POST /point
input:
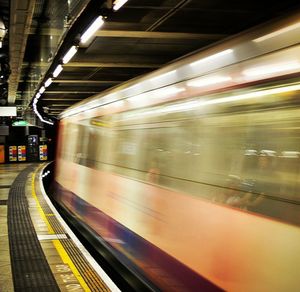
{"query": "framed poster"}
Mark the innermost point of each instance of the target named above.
(43, 152)
(22, 153)
(12, 153)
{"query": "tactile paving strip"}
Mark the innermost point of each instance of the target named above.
(91, 278)
(30, 269)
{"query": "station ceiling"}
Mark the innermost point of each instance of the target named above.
(140, 37)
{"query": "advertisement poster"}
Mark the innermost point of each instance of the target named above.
(43, 152)
(22, 153)
(12, 153)
(2, 154)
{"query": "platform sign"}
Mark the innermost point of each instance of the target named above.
(12, 153)
(22, 153)
(43, 152)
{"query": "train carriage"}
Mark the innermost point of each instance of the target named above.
(190, 174)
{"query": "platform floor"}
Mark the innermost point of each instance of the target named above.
(8, 173)
(38, 251)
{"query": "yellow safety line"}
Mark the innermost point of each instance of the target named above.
(59, 247)
(50, 229)
(67, 260)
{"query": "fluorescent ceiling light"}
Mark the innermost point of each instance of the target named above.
(212, 57)
(42, 89)
(37, 96)
(118, 4)
(270, 69)
(205, 81)
(48, 82)
(277, 32)
(49, 123)
(68, 56)
(57, 70)
(92, 29)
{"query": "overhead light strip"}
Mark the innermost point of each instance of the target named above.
(57, 70)
(48, 82)
(92, 29)
(69, 55)
(42, 89)
(98, 22)
(118, 4)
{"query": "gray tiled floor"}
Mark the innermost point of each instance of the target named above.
(8, 173)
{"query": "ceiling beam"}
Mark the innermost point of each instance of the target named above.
(63, 91)
(140, 34)
(111, 65)
(86, 81)
(198, 9)
(158, 35)
(70, 92)
(61, 99)
(60, 105)
(76, 81)
(98, 64)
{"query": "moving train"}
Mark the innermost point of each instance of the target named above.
(191, 174)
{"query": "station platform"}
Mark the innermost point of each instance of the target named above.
(39, 252)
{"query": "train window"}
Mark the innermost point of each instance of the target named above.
(198, 154)
(70, 132)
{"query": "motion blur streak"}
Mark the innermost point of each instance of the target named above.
(192, 173)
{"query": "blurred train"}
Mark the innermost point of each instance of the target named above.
(191, 174)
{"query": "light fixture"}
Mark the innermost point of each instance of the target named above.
(68, 56)
(3, 31)
(42, 89)
(277, 32)
(205, 81)
(212, 57)
(37, 96)
(39, 115)
(57, 70)
(92, 29)
(118, 4)
(270, 69)
(48, 82)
